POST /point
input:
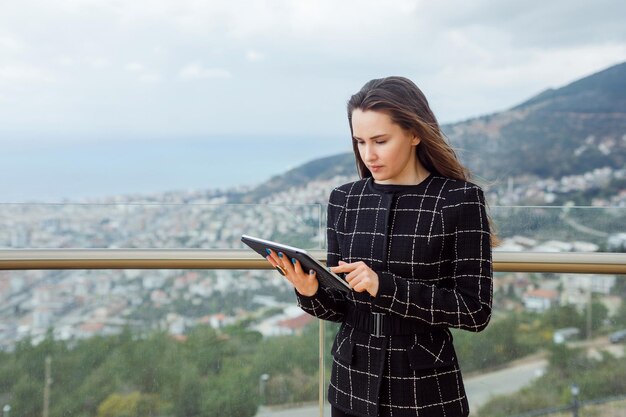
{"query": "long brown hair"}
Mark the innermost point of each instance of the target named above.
(407, 106)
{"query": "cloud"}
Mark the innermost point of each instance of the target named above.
(135, 67)
(537, 23)
(144, 75)
(254, 56)
(24, 73)
(99, 62)
(150, 78)
(295, 62)
(196, 71)
(10, 44)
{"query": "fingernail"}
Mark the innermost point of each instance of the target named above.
(269, 252)
(293, 260)
(280, 254)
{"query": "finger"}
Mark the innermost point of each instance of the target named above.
(289, 277)
(297, 267)
(340, 268)
(275, 260)
(293, 265)
(360, 287)
(285, 262)
(356, 285)
(271, 260)
(279, 258)
(273, 256)
(353, 280)
(351, 276)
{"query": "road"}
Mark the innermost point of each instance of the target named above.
(505, 381)
(479, 389)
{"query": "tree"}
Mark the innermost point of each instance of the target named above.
(563, 316)
(233, 393)
(118, 405)
(9, 373)
(620, 318)
(599, 313)
(500, 342)
(565, 361)
(155, 362)
(134, 404)
(188, 401)
(27, 395)
(205, 349)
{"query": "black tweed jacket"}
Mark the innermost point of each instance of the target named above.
(430, 246)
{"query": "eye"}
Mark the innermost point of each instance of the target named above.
(380, 142)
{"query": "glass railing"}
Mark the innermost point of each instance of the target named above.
(209, 330)
(561, 229)
(541, 343)
(158, 225)
(219, 226)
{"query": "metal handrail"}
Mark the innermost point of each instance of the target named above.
(27, 259)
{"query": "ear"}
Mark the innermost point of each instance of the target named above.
(415, 140)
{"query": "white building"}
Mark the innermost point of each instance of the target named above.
(576, 287)
(540, 300)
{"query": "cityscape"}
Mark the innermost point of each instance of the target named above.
(80, 304)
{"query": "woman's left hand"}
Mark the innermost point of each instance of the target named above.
(360, 276)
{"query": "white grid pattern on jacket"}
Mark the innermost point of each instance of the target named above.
(430, 246)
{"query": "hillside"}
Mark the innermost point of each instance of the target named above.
(316, 170)
(565, 131)
(578, 130)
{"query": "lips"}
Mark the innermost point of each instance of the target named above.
(375, 167)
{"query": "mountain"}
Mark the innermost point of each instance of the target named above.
(565, 131)
(603, 92)
(569, 131)
(316, 170)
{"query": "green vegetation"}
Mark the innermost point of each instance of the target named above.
(216, 373)
(516, 335)
(209, 374)
(595, 378)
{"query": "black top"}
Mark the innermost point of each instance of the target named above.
(399, 188)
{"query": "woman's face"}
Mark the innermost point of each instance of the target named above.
(387, 150)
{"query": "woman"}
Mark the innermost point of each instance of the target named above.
(412, 237)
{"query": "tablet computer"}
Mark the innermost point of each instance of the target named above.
(324, 276)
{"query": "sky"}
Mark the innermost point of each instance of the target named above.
(90, 71)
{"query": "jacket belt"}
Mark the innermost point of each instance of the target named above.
(381, 324)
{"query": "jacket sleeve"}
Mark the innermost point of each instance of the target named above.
(328, 303)
(467, 305)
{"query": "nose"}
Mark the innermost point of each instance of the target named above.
(368, 154)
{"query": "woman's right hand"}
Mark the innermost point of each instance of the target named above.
(304, 282)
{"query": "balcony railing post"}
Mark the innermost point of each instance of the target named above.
(575, 403)
(321, 366)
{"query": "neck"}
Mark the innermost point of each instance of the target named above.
(417, 177)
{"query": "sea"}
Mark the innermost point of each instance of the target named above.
(84, 170)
